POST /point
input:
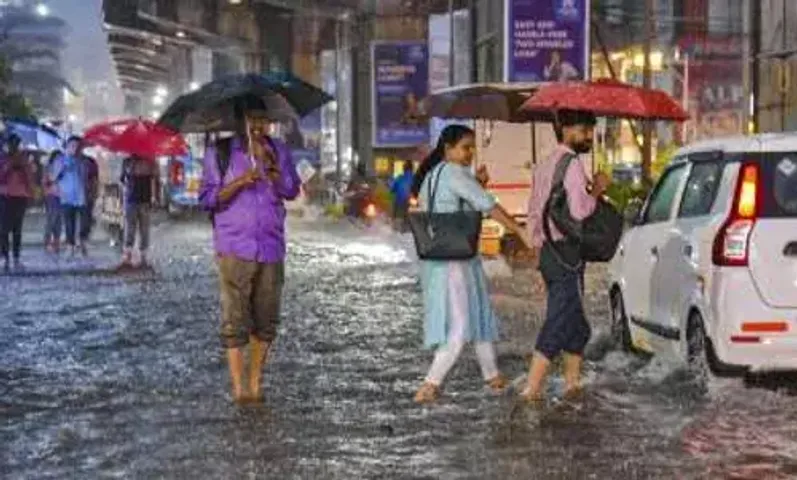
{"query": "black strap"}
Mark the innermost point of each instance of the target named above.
(433, 190)
(557, 183)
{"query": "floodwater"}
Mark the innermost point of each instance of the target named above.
(121, 376)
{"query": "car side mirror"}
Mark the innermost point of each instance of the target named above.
(633, 212)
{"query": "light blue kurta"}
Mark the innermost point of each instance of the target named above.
(450, 287)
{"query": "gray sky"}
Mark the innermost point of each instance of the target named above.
(87, 50)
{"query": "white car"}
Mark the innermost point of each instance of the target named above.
(708, 270)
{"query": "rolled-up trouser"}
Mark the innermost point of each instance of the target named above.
(565, 328)
(137, 217)
(54, 216)
(251, 297)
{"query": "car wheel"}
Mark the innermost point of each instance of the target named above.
(698, 351)
(621, 334)
(174, 211)
(702, 358)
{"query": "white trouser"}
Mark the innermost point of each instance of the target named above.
(447, 355)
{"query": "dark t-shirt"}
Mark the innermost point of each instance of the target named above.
(137, 178)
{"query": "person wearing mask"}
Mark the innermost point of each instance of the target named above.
(16, 191)
(456, 301)
(52, 206)
(71, 176)
(245, 186)
(401, 188)
(565, 330)
(141, 189)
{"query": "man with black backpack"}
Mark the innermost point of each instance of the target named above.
(246, 181)
(565, 330)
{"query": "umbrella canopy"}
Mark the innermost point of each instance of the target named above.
(34, 135)
(481, 101)
(605, 98)
(217, 105)
(136, 136)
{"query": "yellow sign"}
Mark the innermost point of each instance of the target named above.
(382, 165)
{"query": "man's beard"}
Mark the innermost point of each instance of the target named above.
(582, 147)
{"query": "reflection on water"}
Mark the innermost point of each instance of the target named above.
(122, 376)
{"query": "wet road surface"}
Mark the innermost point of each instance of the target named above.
(121, 376)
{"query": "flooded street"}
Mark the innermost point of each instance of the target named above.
(121, 376)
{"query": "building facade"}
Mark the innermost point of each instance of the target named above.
(32, 44)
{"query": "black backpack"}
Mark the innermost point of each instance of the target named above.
(597, 235)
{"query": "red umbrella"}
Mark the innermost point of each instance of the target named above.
(138, 137)
(605, 98)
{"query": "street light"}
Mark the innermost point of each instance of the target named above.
(157, 100)
(235, 2)
(193, 86)
(42, 10)
(161, 91)
(180, 34)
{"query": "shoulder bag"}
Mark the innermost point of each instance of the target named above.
(597, 235)
(445, 236)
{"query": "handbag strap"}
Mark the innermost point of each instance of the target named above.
(433, 189)
(557, 183)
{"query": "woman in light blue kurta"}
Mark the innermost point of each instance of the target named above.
(455, 295)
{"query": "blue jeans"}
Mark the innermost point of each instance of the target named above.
(54, 219)
(72, 215)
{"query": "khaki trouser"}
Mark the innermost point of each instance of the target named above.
(251, 298)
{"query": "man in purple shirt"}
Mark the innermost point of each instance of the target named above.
(245, 189)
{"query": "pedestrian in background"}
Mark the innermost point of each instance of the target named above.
(52, 206)
(92, 192)
(565, 330)
(16, 192)
(71, 176)
(245, 185)
(141, 187)
(456, 302)
(401, 188)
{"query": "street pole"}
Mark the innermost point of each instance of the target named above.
(685, 98)
(647, 126)
(451, 63)
(338, 116)
(746, 65)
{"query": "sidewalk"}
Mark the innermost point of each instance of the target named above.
(101, 259)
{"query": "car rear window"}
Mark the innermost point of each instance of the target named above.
(779, 181)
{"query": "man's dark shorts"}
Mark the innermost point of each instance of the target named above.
(565, 328)
(251, 297)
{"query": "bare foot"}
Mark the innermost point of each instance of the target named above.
(238, 397)
(533, 399)
(498, 383)
(428, 393)
(574, 394)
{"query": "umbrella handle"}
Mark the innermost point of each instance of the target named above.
(249, 141)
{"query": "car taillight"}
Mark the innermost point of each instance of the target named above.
(177, 174)
(732, 245)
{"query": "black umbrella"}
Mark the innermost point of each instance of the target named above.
(217, 105)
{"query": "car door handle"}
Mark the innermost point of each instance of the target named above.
(655, 251)
(687, 250)
(790, 250)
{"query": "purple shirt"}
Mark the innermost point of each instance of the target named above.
(252, 225)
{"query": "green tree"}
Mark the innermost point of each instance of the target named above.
(11, 104)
